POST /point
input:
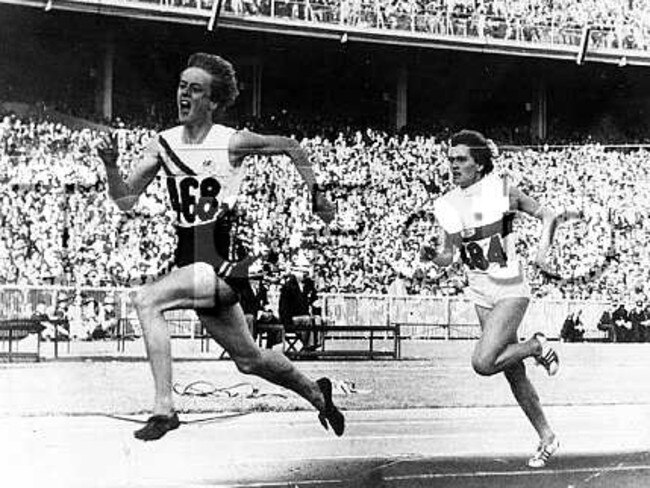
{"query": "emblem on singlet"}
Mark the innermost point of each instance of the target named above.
(465, 233)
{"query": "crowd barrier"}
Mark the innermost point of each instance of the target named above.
(420, 317)
(426, 317)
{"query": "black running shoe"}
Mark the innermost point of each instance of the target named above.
(157, 426)
(330, 413)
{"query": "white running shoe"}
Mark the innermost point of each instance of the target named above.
(543, 454)
(548, 358)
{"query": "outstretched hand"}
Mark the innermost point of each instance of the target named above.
(107, 149)
(321, 206)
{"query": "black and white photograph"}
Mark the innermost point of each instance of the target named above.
(325, 243)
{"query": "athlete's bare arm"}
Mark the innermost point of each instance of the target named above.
(246, 143)
(550, 219)
(125, 193)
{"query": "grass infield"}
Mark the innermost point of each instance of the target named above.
(438, 374)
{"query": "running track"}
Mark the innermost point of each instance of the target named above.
(602, 446)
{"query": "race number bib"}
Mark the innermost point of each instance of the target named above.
(194, 199)
(475, 255)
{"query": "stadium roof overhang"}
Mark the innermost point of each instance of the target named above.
(193, 16)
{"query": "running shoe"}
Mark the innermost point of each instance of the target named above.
(157, 426)
(330, 413)
(548, 358)
(543, 454)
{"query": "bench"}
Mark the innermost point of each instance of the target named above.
(263, 331)
(65, 324)
(16, 329)
(443, 331)
(292, 342)
(124, 332)
(184, 328)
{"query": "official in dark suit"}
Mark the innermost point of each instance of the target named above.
(297, 298)
(254, 299)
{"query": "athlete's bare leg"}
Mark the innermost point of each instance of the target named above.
(187, 287)
(499, 350)
(228, 327)
(194, 287)
(528, 400)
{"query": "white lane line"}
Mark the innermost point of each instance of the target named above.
(408, 436)
(431, 476)
(293, 483)
(492, 474)
(415, 456)
(350, 438)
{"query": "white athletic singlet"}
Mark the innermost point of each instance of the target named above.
(481, 215)
(200, 177)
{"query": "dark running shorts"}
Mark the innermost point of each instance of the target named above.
(208, 243)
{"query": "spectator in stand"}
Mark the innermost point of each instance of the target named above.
(579, 327)
(567, 333)
(572, 329)
(622, 324)
(638, 318)
(257, 309)
(398, 285)
(606, 324)
(297, 298)
(51, 330)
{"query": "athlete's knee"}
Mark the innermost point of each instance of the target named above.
(250, 364)
(483, 364)
(142, 300)
(515, 372)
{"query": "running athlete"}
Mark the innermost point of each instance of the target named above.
(477, 218)
(203, 165)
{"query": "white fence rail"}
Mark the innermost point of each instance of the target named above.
(451, 318)
(420, 316)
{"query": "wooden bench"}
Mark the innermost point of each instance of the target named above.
(16, 329)
(124, 332)
(444, 331)
(292, 342)
(263, 331)
(64, 323)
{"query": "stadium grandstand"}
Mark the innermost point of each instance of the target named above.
(374, 114)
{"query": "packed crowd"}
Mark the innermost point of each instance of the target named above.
(623, 24)
(57, 225)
